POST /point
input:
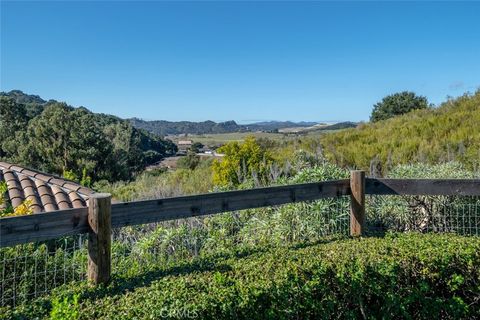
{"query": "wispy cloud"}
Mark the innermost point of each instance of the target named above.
(457, 85)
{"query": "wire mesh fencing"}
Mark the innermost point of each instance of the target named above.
(148, 246)
(31, 270)
(34, 269)
(458, 214)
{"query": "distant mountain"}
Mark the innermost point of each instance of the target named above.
(24, 98)
(162, 127)
(338, 126)
(276, 125)
(319, 127)
(34, 105)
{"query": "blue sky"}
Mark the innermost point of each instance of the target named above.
(244, 61)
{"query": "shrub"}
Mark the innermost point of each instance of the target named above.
(65, 309)
(190, 161)
(240, 162)
(416, 276)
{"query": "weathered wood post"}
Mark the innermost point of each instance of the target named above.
(357, 206)
(99, 237)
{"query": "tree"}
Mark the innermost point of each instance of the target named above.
(63, 138)
(397, 104)
(13, 119)
(241, 162)
(196, 147)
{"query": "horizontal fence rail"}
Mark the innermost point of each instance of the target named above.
(51, 225)
(43, 226)
(425, 187)
(141, 212)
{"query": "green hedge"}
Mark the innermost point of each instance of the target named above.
(420, 276)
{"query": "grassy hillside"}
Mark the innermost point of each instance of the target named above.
(450, 132)
(401, 276)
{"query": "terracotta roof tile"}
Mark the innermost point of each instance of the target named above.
(56, 181)
(29, 172)
(71, 186)
(46, 192)
(85, 191)
(43, 177)
(16, 168)
(61, 198)
(76, 200)
(5, 165)
(30, 193)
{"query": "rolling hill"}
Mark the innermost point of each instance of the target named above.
(449, 132)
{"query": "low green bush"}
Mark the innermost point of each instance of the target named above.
(411, 276)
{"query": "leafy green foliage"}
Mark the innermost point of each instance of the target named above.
(5, 208)
(397, 104)
(447, 133)
(241, 161)
(65, 309)
(13, 119)
(293, 222)
(418, 276)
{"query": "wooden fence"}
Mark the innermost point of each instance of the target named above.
(101, 216)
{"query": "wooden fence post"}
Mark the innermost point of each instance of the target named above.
(357, 206)
(99, 237)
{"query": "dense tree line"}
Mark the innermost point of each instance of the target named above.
(58, 138)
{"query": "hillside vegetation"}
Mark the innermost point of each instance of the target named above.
(57, 138)
(448, 133)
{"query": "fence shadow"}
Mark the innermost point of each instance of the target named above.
(212, 263)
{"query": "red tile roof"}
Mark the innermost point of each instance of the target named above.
(47, 192)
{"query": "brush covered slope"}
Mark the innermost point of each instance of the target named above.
(419, 276)
(447, 133)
